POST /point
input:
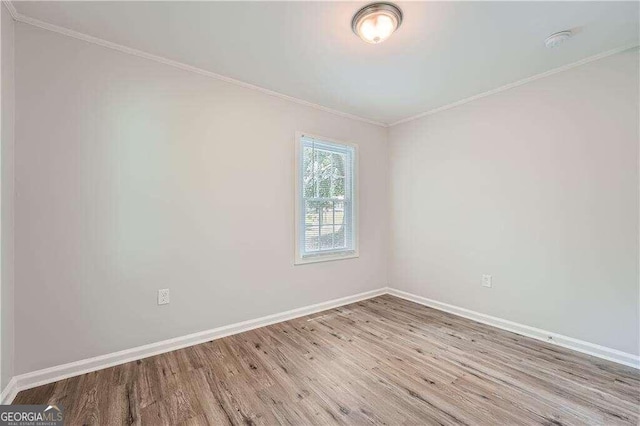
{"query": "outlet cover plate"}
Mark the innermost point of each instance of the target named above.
(163, 296)
(486, 280)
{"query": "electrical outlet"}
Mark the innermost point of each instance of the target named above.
(163, 296)
(486, 280)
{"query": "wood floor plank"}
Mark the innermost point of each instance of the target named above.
(380, 361)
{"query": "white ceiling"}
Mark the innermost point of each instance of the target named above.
(444, 51)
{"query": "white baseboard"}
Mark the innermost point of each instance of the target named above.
(525, 330)
(9, 392)
(60, 372)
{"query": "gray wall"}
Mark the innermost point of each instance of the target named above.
(7, 197)
(538, 186)
(133, 176)
(139, 176)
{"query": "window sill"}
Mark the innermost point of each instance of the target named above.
(325, 258)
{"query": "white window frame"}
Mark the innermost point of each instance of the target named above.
(299, 231)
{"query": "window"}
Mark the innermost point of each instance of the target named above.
(326, 199)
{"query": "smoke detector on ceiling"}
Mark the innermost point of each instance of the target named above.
(556, 39)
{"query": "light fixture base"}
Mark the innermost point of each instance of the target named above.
(371, 12)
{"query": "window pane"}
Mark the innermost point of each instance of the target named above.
(323, 173)
(307, 172)
(311, 238)
(326, 237)
(339, 213)
(338, 188)
(312, 215)
(327, 213)
(338, 164)
(339, 237)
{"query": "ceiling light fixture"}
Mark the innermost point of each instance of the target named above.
(375, 22)
(556, 39)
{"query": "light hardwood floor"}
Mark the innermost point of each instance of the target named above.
(380, 361)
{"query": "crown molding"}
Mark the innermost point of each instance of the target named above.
(129, 50)
(517, 83)
(17, 16)
(11, 8)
